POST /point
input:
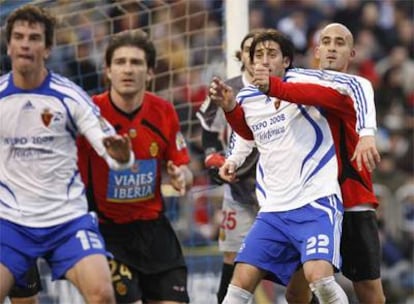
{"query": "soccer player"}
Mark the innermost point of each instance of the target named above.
(300, 203)
(353, 128)
(360, 246)
(148, 263)
(239, 206)
(43, 209)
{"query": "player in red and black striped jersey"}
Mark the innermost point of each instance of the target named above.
(148, 263)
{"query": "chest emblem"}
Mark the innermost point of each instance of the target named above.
(46, 117)
(132, 133)
(154, 149)
(277, 103)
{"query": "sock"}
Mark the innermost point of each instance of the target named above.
(328, 291)
(226, 274)
(237, 295)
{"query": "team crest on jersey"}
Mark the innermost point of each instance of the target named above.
(180, 141)
(121, 288)
(154, 149)
(277, 103)
(132, 133)
(46, 117)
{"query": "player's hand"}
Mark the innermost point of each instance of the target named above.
(213, 162)
(177, 177)
(366, 153)
(228, 171)
(118, 147)
(261, 76)
(222, 95)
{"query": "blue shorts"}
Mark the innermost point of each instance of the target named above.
(280, 242)
(62, 246)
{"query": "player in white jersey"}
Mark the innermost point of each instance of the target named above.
(299, 221)
(43, 209)
(353, 126)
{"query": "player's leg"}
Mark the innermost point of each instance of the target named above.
(27, 294)
(92, 278)
(237, 220)
(243, 284)
(6, 282)
(266, 250)
(360, 248)
(320, 231)
(80, 256)
(16, 256)
(168, 287)
(298, 291)
(125, 282)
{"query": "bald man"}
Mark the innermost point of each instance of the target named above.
(360, 247)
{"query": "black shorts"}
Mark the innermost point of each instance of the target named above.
(32, 288)
(131, 285)
(151, 253)
(360, 246)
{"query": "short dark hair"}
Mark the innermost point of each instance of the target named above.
(136, 38)
(286, 45)
(32, 14)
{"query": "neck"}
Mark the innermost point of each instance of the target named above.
(29, 81)
(127, 103)
(248, 76)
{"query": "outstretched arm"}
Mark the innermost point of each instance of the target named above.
(341, 105)
(304, 93)
(222, 95)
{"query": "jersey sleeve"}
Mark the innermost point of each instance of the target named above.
(239, 149)
(312, 95)
(361, 105)
(95, 128)
(177, 148)
(238, 123)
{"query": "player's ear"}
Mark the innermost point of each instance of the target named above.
(47, 53)
(286, 62)
(352, 55)
(150, 74)
(317, 53)
(108, 72)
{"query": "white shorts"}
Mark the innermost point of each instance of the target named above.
(236, 222)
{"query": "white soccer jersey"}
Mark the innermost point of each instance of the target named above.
(358, 88)
(40, 184)
(297, 162)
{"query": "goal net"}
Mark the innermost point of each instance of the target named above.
(189, 36)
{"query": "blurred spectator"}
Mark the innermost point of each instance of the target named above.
(391, 99)
(397, 269)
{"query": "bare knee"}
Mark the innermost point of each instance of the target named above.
(99, 293)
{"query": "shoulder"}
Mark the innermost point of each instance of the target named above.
(66, 87)
(249, 91)
(157, 102)
(4, 81)
(101, 99)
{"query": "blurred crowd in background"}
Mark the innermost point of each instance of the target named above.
(190, 41)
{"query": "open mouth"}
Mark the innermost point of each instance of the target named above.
(25, 57)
